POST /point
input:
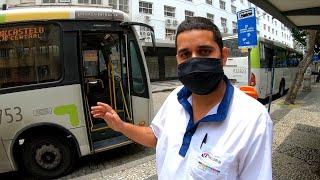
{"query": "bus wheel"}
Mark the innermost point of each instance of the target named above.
(47, 156)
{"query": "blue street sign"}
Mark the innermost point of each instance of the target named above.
(247, 28)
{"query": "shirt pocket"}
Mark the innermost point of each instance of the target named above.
(210, 164)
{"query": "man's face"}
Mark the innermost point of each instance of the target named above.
(198, 43)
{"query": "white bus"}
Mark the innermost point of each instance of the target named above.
(261, 64)
(54, 64)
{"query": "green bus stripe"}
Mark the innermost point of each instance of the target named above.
(255, 57)
(71, 110)
(2, 18)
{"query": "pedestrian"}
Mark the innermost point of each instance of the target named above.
(206, 129)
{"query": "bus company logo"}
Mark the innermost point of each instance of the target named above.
(21, 33)
(69, 109)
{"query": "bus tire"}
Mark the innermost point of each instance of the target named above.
(282, 89)
(47, 157)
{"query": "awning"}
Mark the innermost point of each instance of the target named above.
(300, 13)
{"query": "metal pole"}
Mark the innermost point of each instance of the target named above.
(272, 80)
(249, 66)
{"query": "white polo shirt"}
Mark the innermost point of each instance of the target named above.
(238, 143)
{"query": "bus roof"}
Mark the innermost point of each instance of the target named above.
(61, 13)
(265, 40)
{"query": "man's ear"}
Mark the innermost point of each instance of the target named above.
(224, 55)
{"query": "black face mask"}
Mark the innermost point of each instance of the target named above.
(201, 75)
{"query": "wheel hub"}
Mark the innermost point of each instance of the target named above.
(48, 156)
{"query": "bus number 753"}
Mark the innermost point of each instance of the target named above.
(11, 115)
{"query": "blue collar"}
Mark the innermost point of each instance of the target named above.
(221, 115)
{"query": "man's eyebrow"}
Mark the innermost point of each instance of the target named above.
(205, 47)
(183, 50)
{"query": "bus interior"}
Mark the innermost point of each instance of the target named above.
(105, 80)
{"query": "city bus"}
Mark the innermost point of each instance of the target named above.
(262, 60)
(55, 63)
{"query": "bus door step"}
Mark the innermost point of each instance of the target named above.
(111, 143)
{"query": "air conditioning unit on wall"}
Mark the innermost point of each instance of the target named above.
(168, 21)
(147, 18)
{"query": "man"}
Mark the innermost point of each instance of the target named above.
(206, 129)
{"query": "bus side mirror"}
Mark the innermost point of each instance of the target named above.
(249, 90)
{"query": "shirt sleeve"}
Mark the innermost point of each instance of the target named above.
(256, 161)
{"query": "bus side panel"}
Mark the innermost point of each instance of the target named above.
(236, 69)
(61, 106)
(5, 163)
(141, 110)
(263, 81)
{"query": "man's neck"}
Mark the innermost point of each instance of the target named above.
(202, 104)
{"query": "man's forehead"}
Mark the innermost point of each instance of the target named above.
(186, 37)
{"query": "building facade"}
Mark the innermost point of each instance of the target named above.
(165, 16)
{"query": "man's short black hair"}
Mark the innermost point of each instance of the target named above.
(200, 23)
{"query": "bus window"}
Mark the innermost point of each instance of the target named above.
(137, 78)
(269, 53)
(30, 57)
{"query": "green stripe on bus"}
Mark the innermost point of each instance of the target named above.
(2, 18)
(255, 57)
(71, 110)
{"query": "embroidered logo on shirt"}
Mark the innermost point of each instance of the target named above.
(205, 167)
(214, 159)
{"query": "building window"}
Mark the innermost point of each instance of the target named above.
(210, 16)
(276, 33)
(264, 26)
(258, 21)
(241, 1)
(268, 28)
(83, 1)
(113, 3)
(188, 14)
(275, 22)
(222, 5)
(234, 27)
(170, 34)
(49, 1)
(169, 11)
(95, 1)
(209, 2)
(145, 7)
(268, 18)
(224, 24)
(233, 9)
(124, 5)
(272, 31)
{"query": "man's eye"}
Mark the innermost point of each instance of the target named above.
(205, 52)
(184, 55)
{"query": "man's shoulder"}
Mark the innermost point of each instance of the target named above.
(247, 104)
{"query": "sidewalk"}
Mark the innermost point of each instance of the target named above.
(161, 86)
(296, 141)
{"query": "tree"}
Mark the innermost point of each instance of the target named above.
(308, 38)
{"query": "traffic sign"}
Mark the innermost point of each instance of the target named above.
(247, 28)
